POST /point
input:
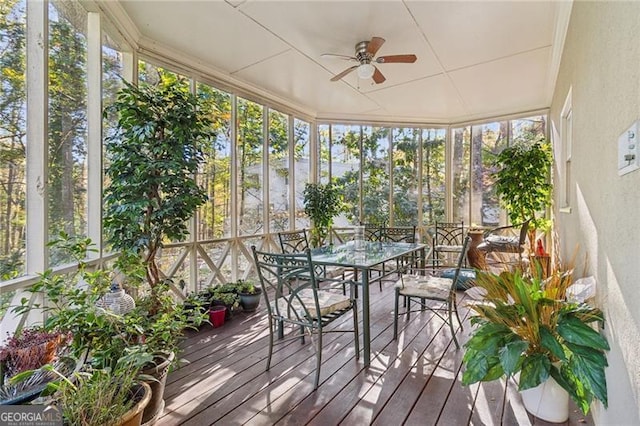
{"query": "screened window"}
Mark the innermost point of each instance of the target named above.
(215, 175)
(406, 159)
(345, 169)
(302, 164)
(249, 178)
(433, 175)
(279, 172)
(67, 177)
(13, 102)
(376, 183)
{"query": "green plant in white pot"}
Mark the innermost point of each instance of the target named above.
(525, 325)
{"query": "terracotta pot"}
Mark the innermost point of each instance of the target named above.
(133, 417)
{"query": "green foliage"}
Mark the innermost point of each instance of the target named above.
(225, 293)
(526, 326)
(156, 324)
(71, 308)
(95, 396)
(321, 203)
(523, 182)
(153, 158)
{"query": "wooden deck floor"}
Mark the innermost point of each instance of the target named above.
(414, 380)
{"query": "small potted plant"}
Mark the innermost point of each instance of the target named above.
(250, 295)
(225, 295)
(525, 326)
(28, 350)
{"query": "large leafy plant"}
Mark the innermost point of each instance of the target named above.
(525, 325)
(152, 159)
(321, 203)
(523, 183)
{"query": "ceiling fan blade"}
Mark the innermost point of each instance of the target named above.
(343, 73)
(374, 45)
(409, 59)
(335, 55)
(378, 77)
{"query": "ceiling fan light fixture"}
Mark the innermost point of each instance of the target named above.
(366, 71)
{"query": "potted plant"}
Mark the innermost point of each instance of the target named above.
(97, 335)
(250, 295)
(98, 396)
(100, 337)
(152, 159)
(225, 295)
(526, 326)
(28, 350)
(321, 203)
(523, 184)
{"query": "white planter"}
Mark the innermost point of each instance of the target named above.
(547, 401)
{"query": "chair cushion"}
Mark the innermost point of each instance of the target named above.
(466, 279)
(424, 286)
(329, 302)
(448, 249)
(502, 240)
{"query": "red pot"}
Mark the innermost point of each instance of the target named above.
(216, 315)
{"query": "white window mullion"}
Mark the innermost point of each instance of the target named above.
(193, 230)
(390, 167)
(292, 172)
(420, 219)
(266, 200)
(448, 174)
(234, 188)
(94, 133)
(37, 133)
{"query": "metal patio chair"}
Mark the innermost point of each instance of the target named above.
(290, 287)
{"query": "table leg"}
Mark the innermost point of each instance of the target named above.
(366, 332)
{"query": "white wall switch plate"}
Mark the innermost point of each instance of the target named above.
(628, 150)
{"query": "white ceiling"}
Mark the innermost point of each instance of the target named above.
(476, 59)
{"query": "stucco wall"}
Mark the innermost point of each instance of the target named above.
(601, 66)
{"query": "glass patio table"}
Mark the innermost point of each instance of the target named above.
(363, 260)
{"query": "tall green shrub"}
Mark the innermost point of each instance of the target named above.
(523, 182)
(153, 157)
(321, 203)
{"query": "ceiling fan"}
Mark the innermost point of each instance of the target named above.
(365, 52)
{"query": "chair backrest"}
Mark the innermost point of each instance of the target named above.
(293, 241)
(373, 231)
(448, 233)
(460, 262)
(287, 281)
(399, 234)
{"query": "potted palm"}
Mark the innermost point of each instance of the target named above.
(526, 326)
(321, 203)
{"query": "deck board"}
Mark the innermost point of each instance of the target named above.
(414, 380)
